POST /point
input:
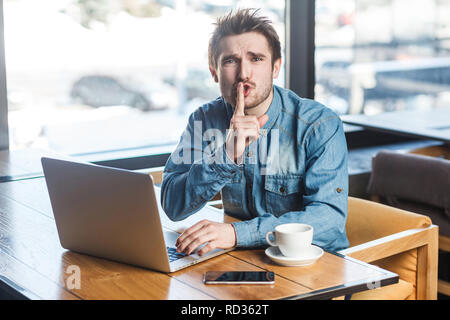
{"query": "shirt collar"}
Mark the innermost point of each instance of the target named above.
(274, 109)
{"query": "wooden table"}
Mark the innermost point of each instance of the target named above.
(431, 124)
(33, 265)
(22, 164)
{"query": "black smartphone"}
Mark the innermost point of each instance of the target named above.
(239, 277)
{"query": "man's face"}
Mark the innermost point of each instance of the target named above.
(248, 58)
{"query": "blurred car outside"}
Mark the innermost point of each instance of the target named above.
(105, 90)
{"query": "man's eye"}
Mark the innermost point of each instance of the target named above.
(228, 61)
(257, 59)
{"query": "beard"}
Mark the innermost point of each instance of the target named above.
(257, 94)
(256, 98)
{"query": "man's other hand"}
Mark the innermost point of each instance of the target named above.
(214, 234)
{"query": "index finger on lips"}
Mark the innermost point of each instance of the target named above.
(239, 111)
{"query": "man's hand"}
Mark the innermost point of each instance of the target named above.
(215, 234)
(243, 129)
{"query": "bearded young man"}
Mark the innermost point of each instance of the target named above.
(304, 177)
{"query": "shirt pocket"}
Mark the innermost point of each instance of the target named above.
(283, 193)
(232, 196)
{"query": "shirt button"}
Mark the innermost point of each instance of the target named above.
(339, 190)
(249, 154)
(282, 189)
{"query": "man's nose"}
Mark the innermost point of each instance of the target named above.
(244, 70)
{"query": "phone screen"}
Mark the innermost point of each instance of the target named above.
(239, 277)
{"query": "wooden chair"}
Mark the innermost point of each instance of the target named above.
(396, 240)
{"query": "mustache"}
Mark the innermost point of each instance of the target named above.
(248, 83)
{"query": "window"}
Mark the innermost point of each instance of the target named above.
(88, 76)
(377, 56)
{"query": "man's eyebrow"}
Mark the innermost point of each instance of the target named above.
(234, 56)
(228, 56)
(256, 54)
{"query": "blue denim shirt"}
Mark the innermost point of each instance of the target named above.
(295, 172)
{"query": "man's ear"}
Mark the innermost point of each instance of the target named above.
(214, 74)
(276, 68)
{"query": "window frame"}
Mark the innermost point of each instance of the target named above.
(300, 78)
(4, 130)
(300, 44)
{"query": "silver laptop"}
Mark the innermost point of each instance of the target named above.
(114, 214)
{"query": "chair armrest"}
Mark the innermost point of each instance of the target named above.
(425, 240)
(368, 220)
(390, 245)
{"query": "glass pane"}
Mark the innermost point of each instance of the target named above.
(96, 75)
(376, 56)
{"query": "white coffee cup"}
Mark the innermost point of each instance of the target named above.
(291, 238)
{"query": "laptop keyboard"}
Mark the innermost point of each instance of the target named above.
(174, 255)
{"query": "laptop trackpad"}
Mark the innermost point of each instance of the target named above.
(170, 237)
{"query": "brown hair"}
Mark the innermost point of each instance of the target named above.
(242, 21)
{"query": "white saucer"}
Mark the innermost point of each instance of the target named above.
(309, 256)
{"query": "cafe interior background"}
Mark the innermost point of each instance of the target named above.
(118, 79)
